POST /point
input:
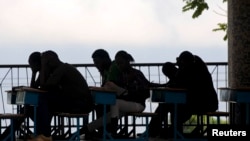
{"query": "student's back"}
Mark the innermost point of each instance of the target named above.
(132, 79)
(203, 87)
(67, 90)
(137, 85)
(64, 81)
(195, 77)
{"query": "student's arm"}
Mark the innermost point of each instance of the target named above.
(112, 86)
(33, 79)
(157, 84)
(35, 82)
(45, 70)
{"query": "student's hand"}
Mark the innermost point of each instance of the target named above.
(112, 86)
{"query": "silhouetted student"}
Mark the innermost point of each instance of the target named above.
(132, 91)
(67, 92)
(34, 61)
(194, 76)
(168, 69)
(109, 72)
(156, 124)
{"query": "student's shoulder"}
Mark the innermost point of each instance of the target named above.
(113, 64)
(137, 71)
(113, 67)
(66, 67)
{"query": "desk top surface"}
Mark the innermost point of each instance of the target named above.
(168, 89)
(101, 89)
(25, 88)
(237, 89)
(241, 95)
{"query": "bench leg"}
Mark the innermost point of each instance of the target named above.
(11, 136)
(76, 136)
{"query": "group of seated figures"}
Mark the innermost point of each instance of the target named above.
(69, 92)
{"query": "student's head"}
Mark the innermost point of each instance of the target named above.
(35, 61)
(101, 59)
(169, 69)
(186, 58)
(50, 59)
(123, 59)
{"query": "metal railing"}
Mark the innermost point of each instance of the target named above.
(19, 75)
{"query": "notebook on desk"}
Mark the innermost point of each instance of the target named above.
(26, 88)
(93, 88)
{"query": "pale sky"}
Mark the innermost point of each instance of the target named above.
(150, 30)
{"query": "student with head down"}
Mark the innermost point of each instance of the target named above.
(34, 61)
(67, 91)
(192, 75)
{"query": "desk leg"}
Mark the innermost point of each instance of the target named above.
(104, 122)
(35, 110)
(175, 121)
(176, 132)
(12, 130)
(247, 114)
(105, 132)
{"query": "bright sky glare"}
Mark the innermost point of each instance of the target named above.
(150, 30)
